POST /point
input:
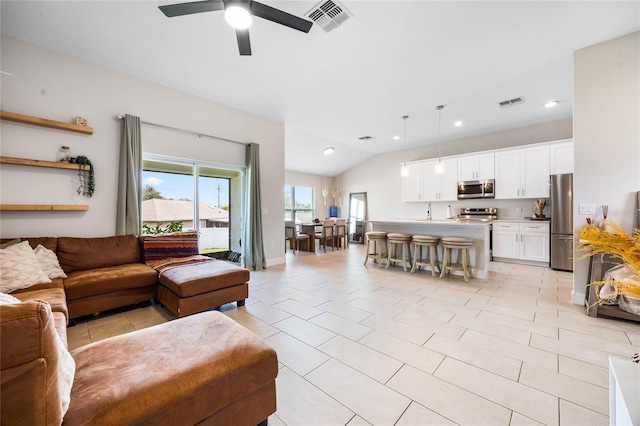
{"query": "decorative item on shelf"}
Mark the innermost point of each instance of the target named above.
(439, 167)
(87, 180)
(624, 281)
(540, 203)
(605, 224)
(64, 154)
(404, 170)
(81, 121)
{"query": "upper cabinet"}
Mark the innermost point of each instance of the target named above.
(561, 157)
(478, 166)
(412, 184)
(423, 184)
(442, 187)
(522, 172)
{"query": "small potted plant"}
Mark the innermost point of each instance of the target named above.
(87, 180)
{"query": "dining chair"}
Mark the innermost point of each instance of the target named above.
(294, 237)
(341, 233)
(327, 233)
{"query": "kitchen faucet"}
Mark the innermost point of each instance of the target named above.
(429, 211)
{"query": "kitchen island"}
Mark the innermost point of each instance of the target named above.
(479, 231)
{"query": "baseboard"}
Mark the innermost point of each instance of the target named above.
(577, 298)
(276, 261)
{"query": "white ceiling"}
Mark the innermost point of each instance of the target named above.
(392, 58)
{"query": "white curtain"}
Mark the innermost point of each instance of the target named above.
(129, 207)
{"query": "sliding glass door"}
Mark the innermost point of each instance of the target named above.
(191, 195)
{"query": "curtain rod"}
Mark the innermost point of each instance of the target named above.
(200, 135)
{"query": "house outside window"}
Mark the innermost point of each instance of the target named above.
(299, 204)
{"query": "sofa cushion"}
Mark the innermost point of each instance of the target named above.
(91, 282)
(55, 297)
(180, 372)
(49, 242)
(179, 244)
(19, 268)
(37, 369)
(77, 254)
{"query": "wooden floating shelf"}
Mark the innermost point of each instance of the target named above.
(36, 121)
(44, 207)
(42, 163)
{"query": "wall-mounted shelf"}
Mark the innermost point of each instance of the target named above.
(41, 163)
(44, 207)
(36, 121)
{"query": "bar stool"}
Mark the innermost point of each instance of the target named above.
(431, 256)
(379, 238)
(463, 245)
(396, 239)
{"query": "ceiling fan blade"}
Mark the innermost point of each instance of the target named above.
(180, 9)
(281, 17)
(244, 44)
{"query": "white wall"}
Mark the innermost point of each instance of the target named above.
(606, 105)
(379, 176)
(58, 87)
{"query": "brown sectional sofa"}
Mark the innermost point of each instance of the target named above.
(204, 368)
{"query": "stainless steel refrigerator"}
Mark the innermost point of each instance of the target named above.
(562, 222)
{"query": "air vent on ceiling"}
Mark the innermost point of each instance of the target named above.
(329, 14)
(365, 138)
(512, 102)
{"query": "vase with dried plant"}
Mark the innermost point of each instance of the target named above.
(624, 282)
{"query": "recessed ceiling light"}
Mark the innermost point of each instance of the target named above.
(328, 150)
(551, 104)
(458, 123)
(396, 138)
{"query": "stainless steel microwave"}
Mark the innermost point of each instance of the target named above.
(476, 189)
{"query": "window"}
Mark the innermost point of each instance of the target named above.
(173, 187)
(299, 204)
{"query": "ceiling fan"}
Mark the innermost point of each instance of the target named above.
(238, 13)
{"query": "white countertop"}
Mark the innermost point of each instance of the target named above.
(435, 222)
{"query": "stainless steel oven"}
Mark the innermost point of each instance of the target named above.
(476, 189)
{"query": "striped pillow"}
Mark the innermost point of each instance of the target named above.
(180, 244)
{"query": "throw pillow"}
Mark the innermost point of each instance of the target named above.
(19, 268)
(7, 299)
(49, 262)
(66, 370)
(180, 244)
(9, 243)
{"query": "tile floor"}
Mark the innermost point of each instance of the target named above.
(362, 345)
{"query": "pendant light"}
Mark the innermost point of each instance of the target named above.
(404, 170)
(439, 168)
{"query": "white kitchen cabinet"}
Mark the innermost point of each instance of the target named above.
(522, 172)
(442, 187)
(478, 166)
(561, 157)
(412, 185)
(521, 240)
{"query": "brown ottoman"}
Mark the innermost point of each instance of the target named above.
(189, 289)
(204, 369)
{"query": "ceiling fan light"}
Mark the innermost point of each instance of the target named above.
(238, 17)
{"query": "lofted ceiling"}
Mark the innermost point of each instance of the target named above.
(391, 58)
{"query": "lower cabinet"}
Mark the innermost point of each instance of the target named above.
(521, 240)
